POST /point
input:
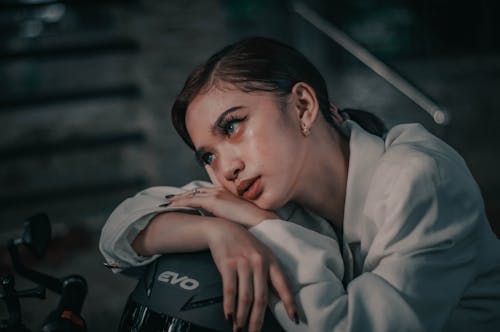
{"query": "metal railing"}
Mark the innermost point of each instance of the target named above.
(438, 113)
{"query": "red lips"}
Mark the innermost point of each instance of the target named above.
(244, 185)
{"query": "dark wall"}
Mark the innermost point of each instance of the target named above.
(86, 88)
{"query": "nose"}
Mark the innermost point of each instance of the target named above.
(231, 167)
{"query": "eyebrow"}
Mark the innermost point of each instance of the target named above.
(202, 150)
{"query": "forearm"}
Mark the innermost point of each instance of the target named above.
(173, 232)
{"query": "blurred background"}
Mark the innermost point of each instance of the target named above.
(86, 88)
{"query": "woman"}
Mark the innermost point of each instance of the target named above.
(375, 231)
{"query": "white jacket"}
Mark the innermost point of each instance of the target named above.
(418, 254)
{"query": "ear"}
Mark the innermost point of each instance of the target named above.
(305, 103)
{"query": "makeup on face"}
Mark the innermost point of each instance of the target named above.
(224, 126)
(250, 189)
(247, 143)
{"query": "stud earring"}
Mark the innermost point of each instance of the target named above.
(304, 130)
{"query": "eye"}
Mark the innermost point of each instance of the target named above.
(207, 158)
(230, 124)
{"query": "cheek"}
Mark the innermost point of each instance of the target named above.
(275, 158)
(261, 147)
(272, 145)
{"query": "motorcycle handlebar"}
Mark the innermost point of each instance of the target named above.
(73, 290)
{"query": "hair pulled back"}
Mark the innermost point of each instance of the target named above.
(261, 64)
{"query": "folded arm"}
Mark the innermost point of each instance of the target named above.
(133, 216)
(140, 229)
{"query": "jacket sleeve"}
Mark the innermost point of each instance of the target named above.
(420, 261)
(131, 217)
(314, 267)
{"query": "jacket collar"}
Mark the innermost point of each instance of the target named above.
(365, 151)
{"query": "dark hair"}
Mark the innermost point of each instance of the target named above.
(261, 64)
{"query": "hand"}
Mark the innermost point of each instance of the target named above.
(246, 267)
(222, 203)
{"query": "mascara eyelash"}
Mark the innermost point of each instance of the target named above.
(222, 130)
(222, 126)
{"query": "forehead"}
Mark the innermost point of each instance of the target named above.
(211, 103)
(206, 107)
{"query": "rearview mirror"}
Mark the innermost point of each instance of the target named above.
(37, 234)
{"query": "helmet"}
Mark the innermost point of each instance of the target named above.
(180, 292)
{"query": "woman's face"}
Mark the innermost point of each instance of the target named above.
(254, 148)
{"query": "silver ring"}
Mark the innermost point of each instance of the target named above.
(195, 191)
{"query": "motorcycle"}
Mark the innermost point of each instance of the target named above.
(179, 292)
(66, 317)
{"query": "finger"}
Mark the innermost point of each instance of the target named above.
(260, 298)
(212, 176)
(197, 192)
(170, 199)
(190, 198)
(229, 292)
(281, 286)
(245, 294)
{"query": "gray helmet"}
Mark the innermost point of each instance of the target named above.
(180, 292)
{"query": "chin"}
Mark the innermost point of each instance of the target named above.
(267, 203)
(262, 203)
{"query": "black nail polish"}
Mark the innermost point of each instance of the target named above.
(169, 196)
(296, 318)
(164, 204)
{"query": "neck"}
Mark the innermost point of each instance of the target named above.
(324, 175)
